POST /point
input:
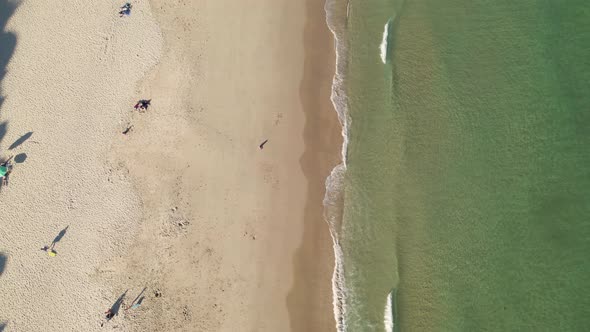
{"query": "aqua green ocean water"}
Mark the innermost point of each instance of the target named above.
(467, 188)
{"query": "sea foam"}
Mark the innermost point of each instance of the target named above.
(333, 200)
(384, 42)
(388, 314)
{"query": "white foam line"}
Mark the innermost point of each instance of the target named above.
(383, 46)
(347, 9)
(388, 314)
(334, 182)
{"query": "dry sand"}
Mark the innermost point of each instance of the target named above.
(223, 235)
(69, 74)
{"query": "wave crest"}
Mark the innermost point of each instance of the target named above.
(383, 48)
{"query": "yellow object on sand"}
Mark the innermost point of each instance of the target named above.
(51, 253)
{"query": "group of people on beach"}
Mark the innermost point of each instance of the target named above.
(114, 309)
(141, 106)
(6, 169)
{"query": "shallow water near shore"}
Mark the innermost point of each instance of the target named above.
(466, 187)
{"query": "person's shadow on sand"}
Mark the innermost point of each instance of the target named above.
(114, 310)
(7, 46)
(59, 236)
(20, 158)
(7, 38)
(117, 305)
(3, 260)
(51, 248)
(20, 140)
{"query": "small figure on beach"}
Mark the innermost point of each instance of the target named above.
(136, 303)
(109, 314)
(125, 10)
(127, 130)
(114, 310)
(5, 169)
(143, 104)
(50, 249)
(261, 146)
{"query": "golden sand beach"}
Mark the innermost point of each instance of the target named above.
(222, 235)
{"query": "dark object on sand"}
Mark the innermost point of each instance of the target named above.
(138, 300)
(59, 236)
(20, 158)
(126, 131)
(114, 310)
(143, 104)
(5, 169)
(125, 10)
(50, 249)
(20, 140)
(261, 146)
(109, 314)
(137, 304)
(51, 252)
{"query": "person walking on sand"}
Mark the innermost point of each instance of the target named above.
(109, 314)
(50, 249)
(125, 10)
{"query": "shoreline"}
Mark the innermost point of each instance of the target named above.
(323, 142)
(337, 20)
